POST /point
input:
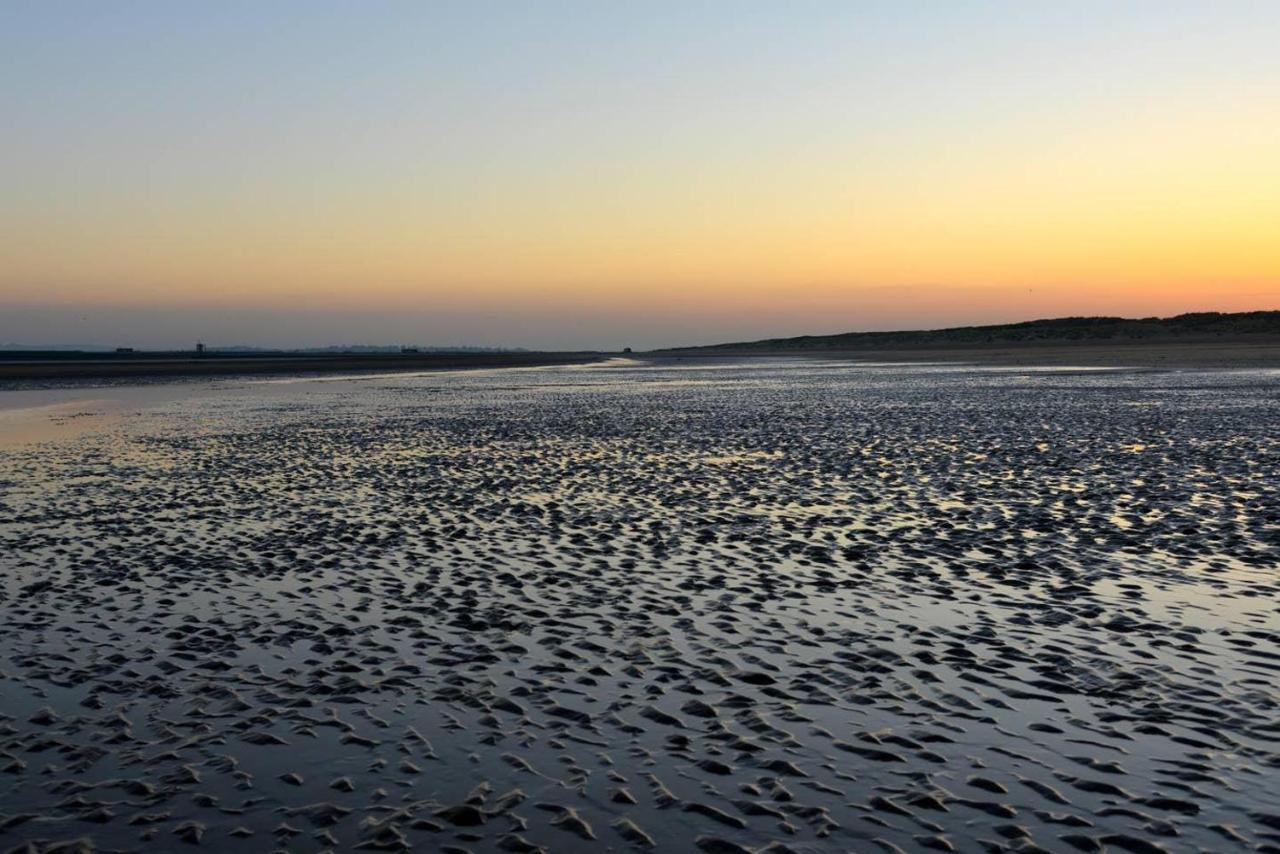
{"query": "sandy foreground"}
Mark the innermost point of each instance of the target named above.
(763, 605)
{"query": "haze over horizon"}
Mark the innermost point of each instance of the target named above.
(582, 176)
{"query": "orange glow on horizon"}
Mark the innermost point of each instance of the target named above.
(964, 187)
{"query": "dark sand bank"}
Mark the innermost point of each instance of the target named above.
(18, 366)
(1244, 352)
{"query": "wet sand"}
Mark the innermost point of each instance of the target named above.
(766, 605)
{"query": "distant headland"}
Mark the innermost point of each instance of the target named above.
(1201, 339)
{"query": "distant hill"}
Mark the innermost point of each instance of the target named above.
(239, 349)
(1206, 325)
(55, 348)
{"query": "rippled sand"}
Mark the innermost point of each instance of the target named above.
(781, 606)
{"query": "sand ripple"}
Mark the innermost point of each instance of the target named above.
(799, 608)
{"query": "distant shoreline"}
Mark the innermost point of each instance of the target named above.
(111, 365)
(1204, 339)
(1249, 351)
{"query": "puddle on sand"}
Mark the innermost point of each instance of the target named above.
(56, 422)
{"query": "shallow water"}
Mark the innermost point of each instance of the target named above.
(809, 605)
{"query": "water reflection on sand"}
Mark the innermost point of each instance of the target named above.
(779, 605)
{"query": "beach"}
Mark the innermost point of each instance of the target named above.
(678, 604)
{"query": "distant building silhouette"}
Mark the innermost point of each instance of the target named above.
(124, 349)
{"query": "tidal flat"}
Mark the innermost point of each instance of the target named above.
(758, 605)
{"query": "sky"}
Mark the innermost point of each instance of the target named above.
(598, 175)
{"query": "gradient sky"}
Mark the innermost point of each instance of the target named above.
(605, 174)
